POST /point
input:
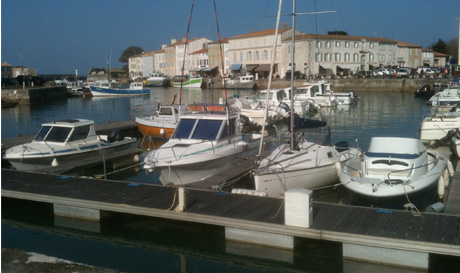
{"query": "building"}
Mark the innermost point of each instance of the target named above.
(159, 60)
(23, 70)
(147, 63)
(215, 56)
(7, 70)
(440, 59)
(251, 52)
(198, 60)
(182, 50)
(427, 57)
(409, 55)
(135, 66)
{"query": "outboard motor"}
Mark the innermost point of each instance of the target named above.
(115, 135)
(341, 146)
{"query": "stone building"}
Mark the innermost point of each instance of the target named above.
(7, 70)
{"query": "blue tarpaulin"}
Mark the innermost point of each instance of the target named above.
(235, 67)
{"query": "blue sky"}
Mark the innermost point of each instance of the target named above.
(57, 36)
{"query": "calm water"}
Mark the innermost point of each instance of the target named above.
(139, 244)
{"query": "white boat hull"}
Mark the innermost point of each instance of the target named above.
(434, 128)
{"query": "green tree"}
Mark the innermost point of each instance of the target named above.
(337, 32)
(441, 47)
(130, 51)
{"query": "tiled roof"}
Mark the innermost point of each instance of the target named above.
(223, 41)
(341, 37)
(200, 51)
(6, 64)
(261, 33)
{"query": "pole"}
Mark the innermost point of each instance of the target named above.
(292, 75)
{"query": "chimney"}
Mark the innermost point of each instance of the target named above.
(184, 38)
(284, 25)
(163, 46)
(173, 41)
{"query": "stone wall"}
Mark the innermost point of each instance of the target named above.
(31, 95)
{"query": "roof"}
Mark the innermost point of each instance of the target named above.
(200, 51)
(261, 33)
(404, 44)
(223, 41)
(437, 54)
(6, 64)
(341, 37)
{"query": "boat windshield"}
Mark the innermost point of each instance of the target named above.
(80, 133)
(184, 128)
(165, 111)
(392, 155)
(54, 134)
(207, 129)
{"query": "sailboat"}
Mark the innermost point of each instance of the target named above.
(300, 164)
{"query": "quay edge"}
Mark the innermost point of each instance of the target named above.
(32, 95)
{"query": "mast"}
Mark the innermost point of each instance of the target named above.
(270, 76)
(292, 75)
(185, 52)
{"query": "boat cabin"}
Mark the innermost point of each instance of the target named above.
(67, 131)
(136, 85)
(248, 78)
(206, 127)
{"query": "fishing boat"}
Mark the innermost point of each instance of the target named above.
(162, 124)
(449, 96)
(309, 165)
(188, 81)
(206, 141)
(61, 144)
(135, 88)
(156, 79)
(243, 82)
(395, 171)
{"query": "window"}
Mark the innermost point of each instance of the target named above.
(207, 129)
(265, 55)
(58, 134)
(256, 55)
(337, 44)
(371, 57)
(371, 45)
(42, 133)
(79, 133)
(337, 57)
(347, 57)
(327, 57)
(184, 128)
(355, 57)
(241, 56)
(356, 44)
(318, 44)
(249, 56)
(226, 132)
(328, 44)
(347, 44)
(318, 57)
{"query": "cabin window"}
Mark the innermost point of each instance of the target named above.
(207, 129)
(58, 134)
(42, 133)
(79, 133)
(165, 111)
(184, 128)
(391, 155)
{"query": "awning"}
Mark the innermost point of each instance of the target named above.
(250, 67)
(326, 66)
(209, 68)
(263, 68)
(235, 67)
(347, 66)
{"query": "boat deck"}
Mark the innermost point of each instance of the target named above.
(431, 232)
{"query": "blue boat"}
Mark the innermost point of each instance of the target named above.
(135, 88)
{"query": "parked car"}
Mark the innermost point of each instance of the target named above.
(380, 72)
(403, 72)
(426, 70)
(297, 75)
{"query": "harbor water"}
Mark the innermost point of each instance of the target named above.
(141, 244)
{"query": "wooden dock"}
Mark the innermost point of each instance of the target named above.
(359, 229)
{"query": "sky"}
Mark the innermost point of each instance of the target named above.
(59, 36)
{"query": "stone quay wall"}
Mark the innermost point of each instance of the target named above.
(34, 94)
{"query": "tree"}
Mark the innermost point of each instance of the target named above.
(440, 47)
(337, 32)
(130, 51)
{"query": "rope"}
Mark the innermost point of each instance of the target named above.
(276, 215)
(174, 199)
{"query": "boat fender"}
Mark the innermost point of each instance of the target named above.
(441, 187)
(338, 168)
(450, 168)
(137, 159)
(55, 163)
(446, 178)
(162, 131)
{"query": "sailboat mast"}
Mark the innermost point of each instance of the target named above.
(270, 76)
(292, 74)
(185, 52)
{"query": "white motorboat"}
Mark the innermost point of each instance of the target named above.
(243, 82)
(310, 166)
(60, 145)
(437, 127)
(315, 92)
(278, 96)
(256, 112)
(188, 81)
(162, 124)
(156, 79)
(395, 171)
(449, 96)
(344, 98)
(135, 88)
(205, 142)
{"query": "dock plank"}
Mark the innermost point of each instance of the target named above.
(438, 230)
(381, 225)
(429, 221)
(360, 220)
(451, 230)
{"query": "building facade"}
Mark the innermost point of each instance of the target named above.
(215, 56)
(7, 70)
(135, 66)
